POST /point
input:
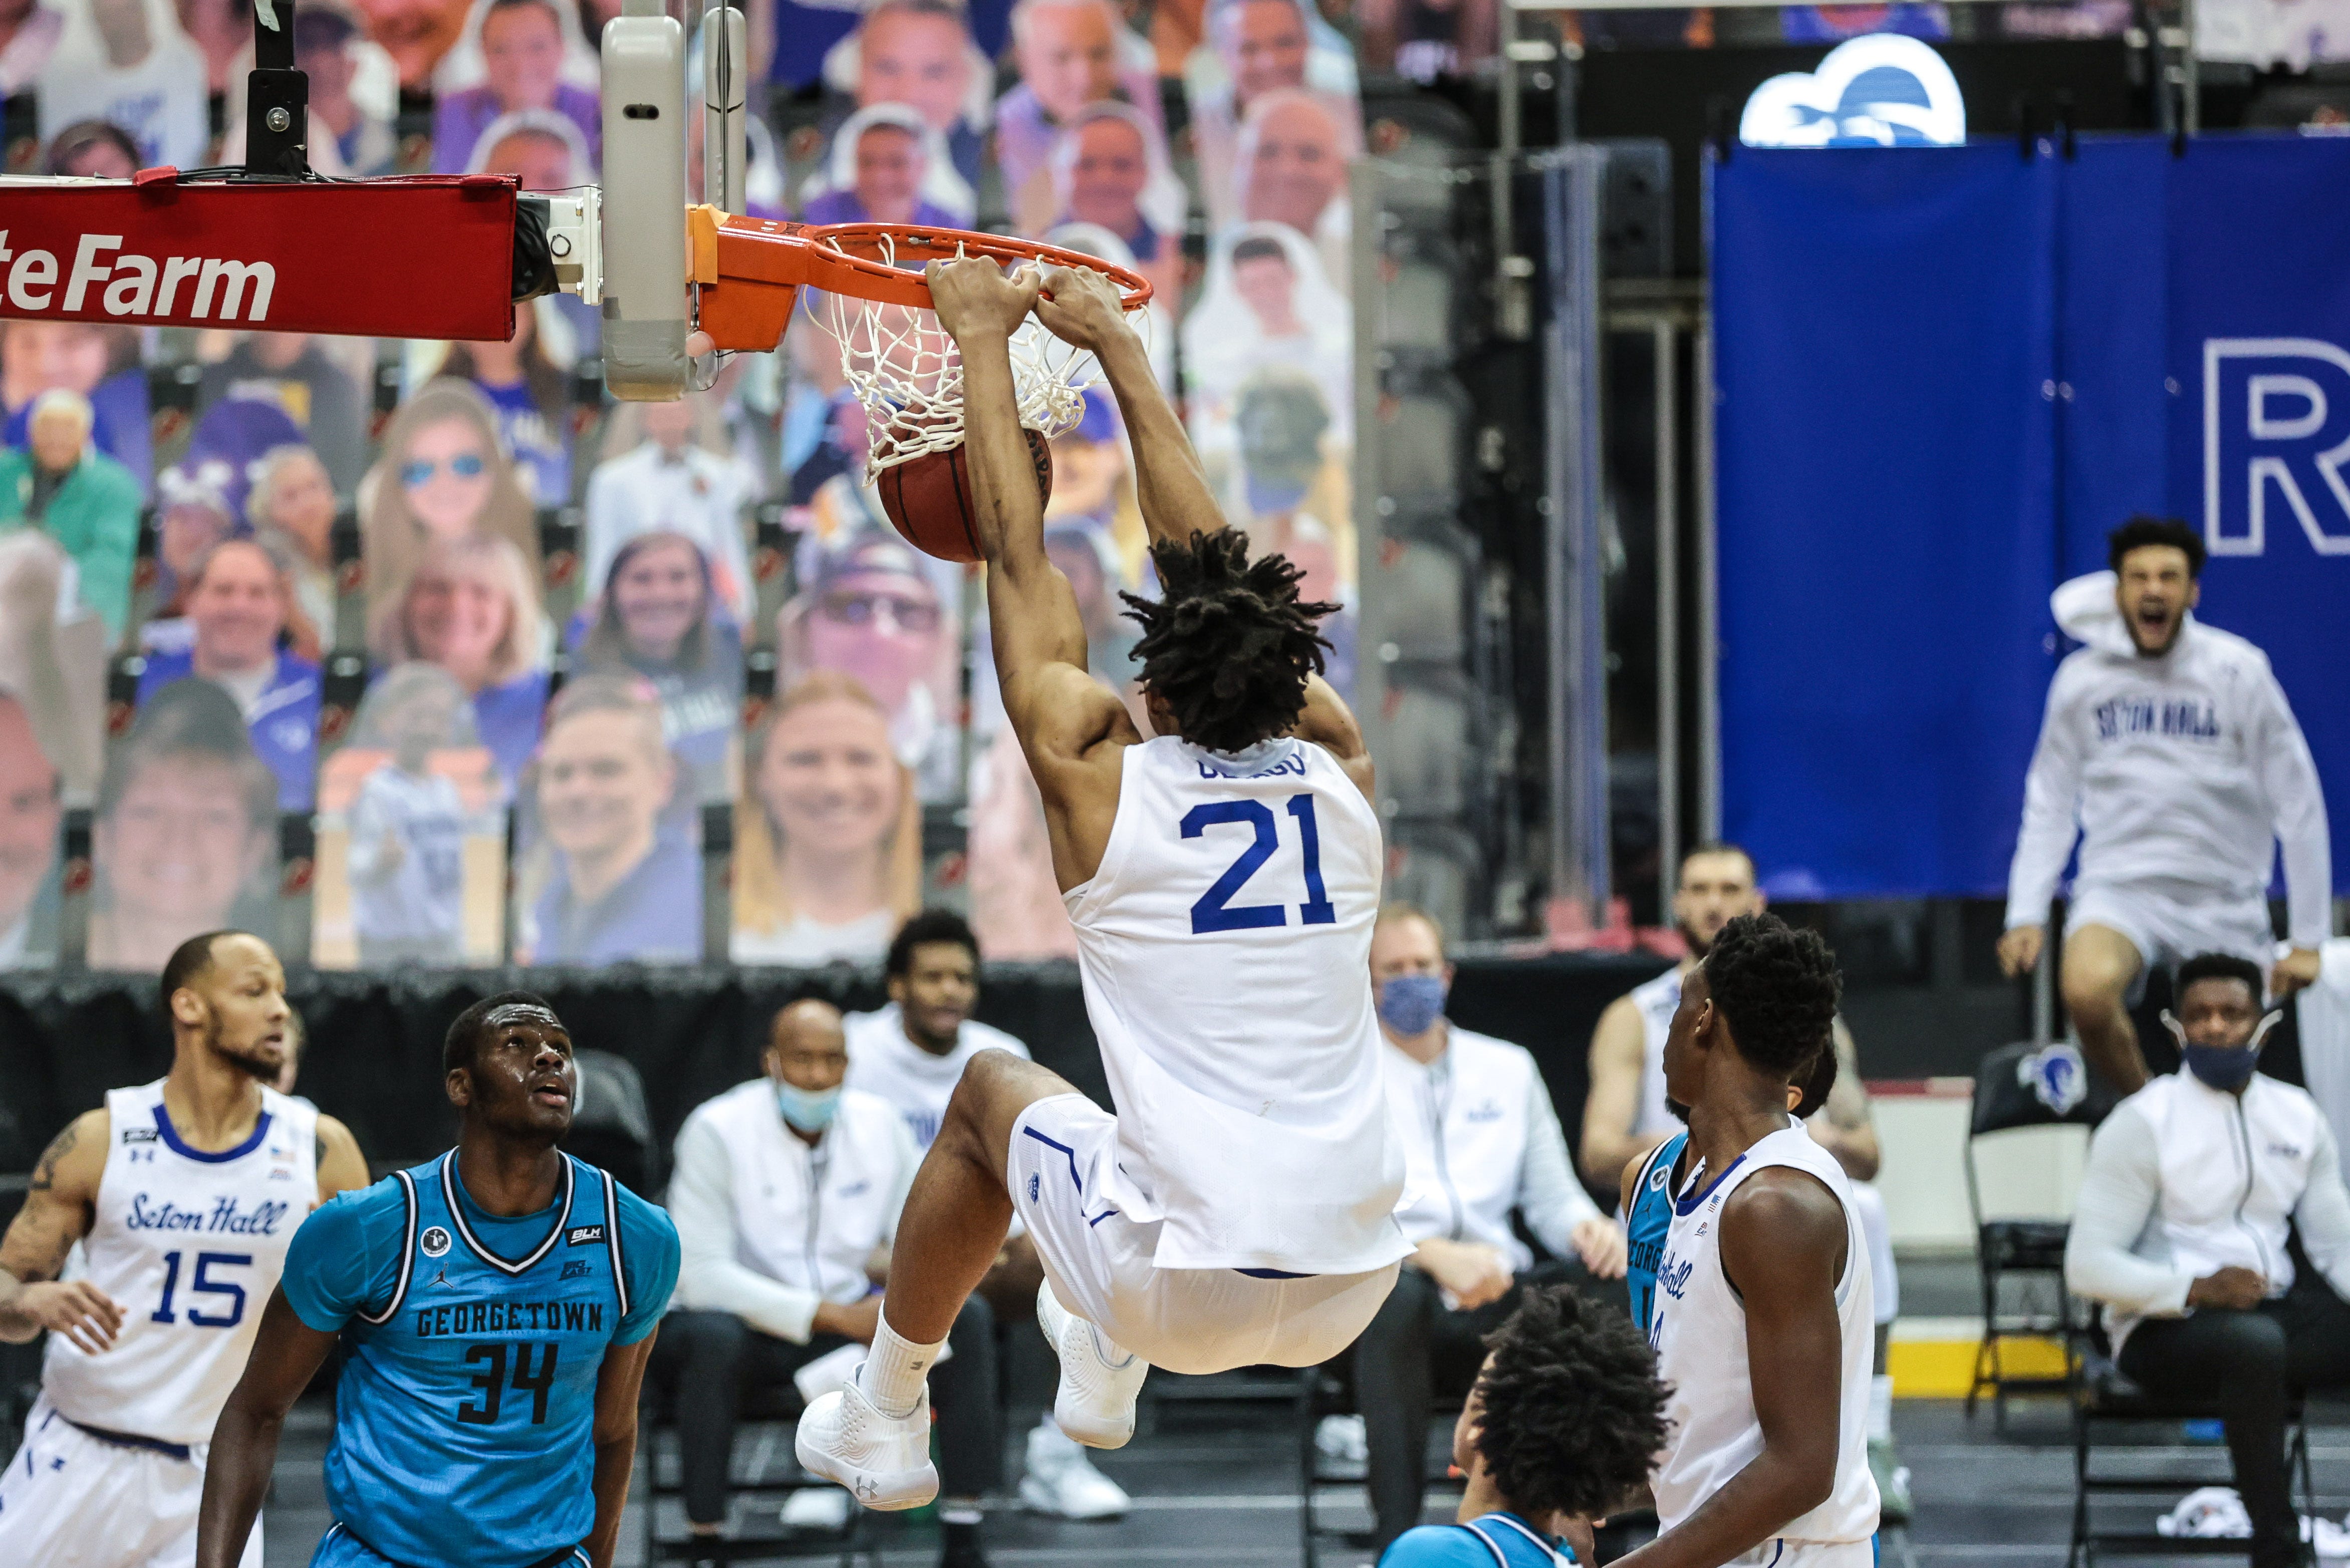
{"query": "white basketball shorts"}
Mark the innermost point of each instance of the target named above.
(2169, 929)
(73, 1500)
(1779, 1554)
(1182, 1320)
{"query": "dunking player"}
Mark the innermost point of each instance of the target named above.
(1760, 1309)
(500, 1301)
(185, 1194)
(1223, 880)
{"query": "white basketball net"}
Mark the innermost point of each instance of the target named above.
(906, 371)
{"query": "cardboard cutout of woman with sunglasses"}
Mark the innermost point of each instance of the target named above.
(873, 611)
(442, 475)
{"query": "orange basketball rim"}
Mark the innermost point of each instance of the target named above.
(750, 270)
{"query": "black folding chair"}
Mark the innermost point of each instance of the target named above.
(2113, 1415)
(2016, 1087)
(1328, 1390)
(762, 1469)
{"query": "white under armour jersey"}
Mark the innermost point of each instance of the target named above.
(1225, 949)
(1698, 1328)
(1658, 999)
(882, 1061)
(188, 1244)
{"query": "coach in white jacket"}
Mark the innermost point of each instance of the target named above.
(2181, 1231)
(2169, 745)
(786, 1197)
(1480, 1138)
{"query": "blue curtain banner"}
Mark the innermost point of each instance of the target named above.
(1942, 377)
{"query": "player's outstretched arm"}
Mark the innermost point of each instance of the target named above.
(57, 1214)
(979, 307)
(286, 1354)
(1783, 1247)
(1069, 724)
(1169, 485)
(617, 1382)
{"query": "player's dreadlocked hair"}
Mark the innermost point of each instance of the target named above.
(1228, 644)
(1574, 1415)
(1777, 987)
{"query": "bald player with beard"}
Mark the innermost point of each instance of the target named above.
(185, 1194)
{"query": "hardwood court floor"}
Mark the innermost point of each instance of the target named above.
(1217, 1483)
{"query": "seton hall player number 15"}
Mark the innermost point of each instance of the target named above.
(185, 1194)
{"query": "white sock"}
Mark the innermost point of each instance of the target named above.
(891, 1377)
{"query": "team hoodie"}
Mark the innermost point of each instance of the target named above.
(2176, 771)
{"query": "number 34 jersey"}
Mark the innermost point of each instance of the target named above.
(465, 1420)
(1224, 944)
(188, 1243)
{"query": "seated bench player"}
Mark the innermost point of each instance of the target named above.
(786, 1197)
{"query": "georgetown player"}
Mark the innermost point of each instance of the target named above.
(1759, 1308)
(185, 1194)
(499, 1302)
(1222, 880)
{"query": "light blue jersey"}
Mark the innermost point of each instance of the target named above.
(1490, 1541)
(1646, 1222)
(465, 1420)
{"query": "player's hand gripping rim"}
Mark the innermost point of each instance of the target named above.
(973, 295)
(1082, 307)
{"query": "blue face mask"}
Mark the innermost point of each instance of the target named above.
(806, 1110)
(2226, 1068)
(1409, 1003)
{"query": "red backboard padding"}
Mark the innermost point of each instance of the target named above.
(430, 256)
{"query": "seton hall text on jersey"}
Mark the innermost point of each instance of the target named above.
(475, 1318)
(2125, 716)
(226, 1217)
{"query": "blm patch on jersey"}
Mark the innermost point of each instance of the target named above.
(582, 1235)
(138, 1135)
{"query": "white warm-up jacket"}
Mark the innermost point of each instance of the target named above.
(1480, 1138)
(2177, 771)
(2184, 1180)
(768, 1227)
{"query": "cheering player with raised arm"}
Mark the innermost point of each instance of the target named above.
(1223, 880)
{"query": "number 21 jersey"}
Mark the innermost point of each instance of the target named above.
(1224, 943)
(188, 1243)
(465, 1420)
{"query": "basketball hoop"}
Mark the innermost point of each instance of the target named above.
(901, 364)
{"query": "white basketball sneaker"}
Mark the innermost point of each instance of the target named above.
(1099, 1381)
(884, 1463)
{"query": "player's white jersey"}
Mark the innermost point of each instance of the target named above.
(1225, 948)
(1698, 1328)
(1658, 1000)
(190, 1245)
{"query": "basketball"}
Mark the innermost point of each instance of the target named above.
(930, 503)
